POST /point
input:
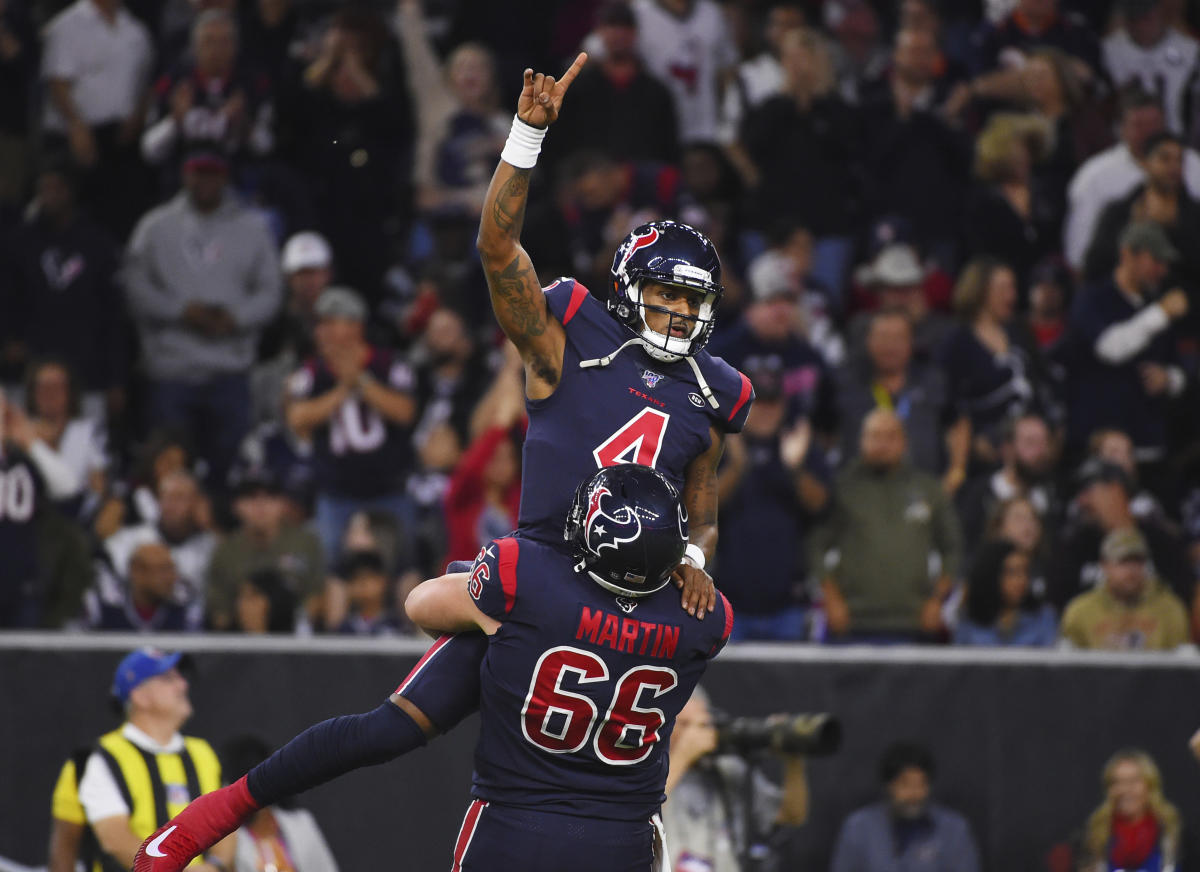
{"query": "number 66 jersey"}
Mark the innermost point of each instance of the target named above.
(635, 409)
(580, 687)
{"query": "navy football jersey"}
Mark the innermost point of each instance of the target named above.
(22, 494)
(635, 410)
(358, 452)
(580, 688)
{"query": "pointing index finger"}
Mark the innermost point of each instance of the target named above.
(569, 76)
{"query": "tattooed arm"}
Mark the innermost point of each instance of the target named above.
(700, 499)
(517, 296)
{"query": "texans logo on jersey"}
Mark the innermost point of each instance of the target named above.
(604, 530)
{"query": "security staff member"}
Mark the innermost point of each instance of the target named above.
(142, 774)
(70, 838)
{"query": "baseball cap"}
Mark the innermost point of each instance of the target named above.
(139, 666)
(206, 156)
(256, 480)
(305, 251)
(771, 276)
(1148, 236)
(1123, 544)
(1098, 470)
(896, 265)
(766, 375)
(340, 302)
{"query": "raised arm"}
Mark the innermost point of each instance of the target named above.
(517, 296)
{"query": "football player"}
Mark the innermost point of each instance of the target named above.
(587, 668)
(615, 377)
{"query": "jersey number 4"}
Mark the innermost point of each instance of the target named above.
(562, 721)
(638, 441)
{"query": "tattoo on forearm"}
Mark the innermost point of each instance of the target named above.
(508, 209)
(519, 301)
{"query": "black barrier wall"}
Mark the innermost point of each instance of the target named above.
(1020, 741)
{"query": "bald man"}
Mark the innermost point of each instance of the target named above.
(152, 599)
(888, 520)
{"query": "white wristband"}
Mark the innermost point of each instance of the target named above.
(524, 144)
(694, 554)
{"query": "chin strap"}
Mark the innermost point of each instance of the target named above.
(637, 340)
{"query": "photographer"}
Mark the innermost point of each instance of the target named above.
(705, 814)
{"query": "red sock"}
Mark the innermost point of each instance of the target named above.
(205, 821)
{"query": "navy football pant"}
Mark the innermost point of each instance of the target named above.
(500, 838)
(444, 684)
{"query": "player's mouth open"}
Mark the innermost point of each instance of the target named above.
(679, 330)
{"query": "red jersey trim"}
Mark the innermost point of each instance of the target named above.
(416, 670)
(728, 616)
(508, 571)
(578, 295)
(745, 395)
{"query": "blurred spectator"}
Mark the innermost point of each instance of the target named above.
(1027, 457)
(264, 603)
(886, 513)
(773, 486)
(782, 272)
(1145, 48)
(273, 448)
(1001, 48)
(770, 334)
(994, 371)
(1016, 520)
(65, 300)
(354, 402)
(280, 836)
(211, 98)
(18, 71)
(78, 442)
(1162, 200)
(348, 131)
(1135, 827)
(614, 94)
(202, 278)
(1102, 508)
(1130, 608)
(265, 540)
(906, 829)
(759, 78)
(1008, 214)
(183, 527)
(1054, 93)
(97, 63)
(685, 44)
(1120, 357)
(437, 456)
(451, 375)
(896, 280)
(1115, 172)
(888, 378)
(1050, 291)
(484, 494)
(461, 127)
(149, 599)
(917, 164)
(1114, 446)
(273, 37)
(858, 51)
(307, 266)
(1000, 606)
(371, 606)
(803, 147)
(136, 501)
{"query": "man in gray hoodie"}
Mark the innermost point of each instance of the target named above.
(202, 277)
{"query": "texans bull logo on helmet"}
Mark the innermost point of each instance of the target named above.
(608, 530)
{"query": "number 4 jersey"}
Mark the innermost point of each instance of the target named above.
(634, 410)
(580, 687)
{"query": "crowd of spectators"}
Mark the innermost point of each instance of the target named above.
(251, 380)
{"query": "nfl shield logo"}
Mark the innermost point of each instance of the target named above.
(651, 378)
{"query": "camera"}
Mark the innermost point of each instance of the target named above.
(814, 735)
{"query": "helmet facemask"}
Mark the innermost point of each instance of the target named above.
(668, 347)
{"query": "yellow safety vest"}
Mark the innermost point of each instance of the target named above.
(156, 787)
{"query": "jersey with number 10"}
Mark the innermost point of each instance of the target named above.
(635, 410)
(580, 688)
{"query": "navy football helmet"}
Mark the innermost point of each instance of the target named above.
(669, 253)
(628, 529)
